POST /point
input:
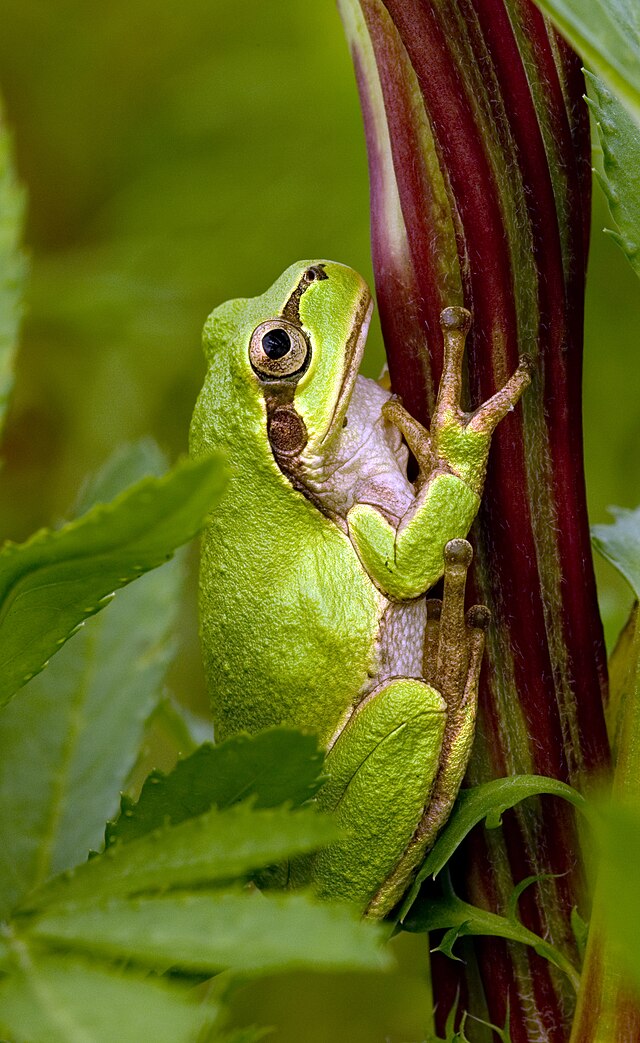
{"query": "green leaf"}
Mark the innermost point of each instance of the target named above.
(250, 1035)
(606, 33)
(275, 766)
(82, 720)
(51, 583)
(459, 919)
(205, 933)
(452, 1035)
(178, 727)
(619, 837)
(13, 267)
(623, 678)
(127, 464)
(54, 999)
(619, 137)
(612, 957)
(619, 543)
(214, 848)
(580, 930)
(487, 801)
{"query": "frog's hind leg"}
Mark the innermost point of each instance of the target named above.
(454, 644)
(457, 675)
(381, 771)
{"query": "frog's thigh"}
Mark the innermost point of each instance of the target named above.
(381, 772)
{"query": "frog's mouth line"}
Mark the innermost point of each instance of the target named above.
(354, 350)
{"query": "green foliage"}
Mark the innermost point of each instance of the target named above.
(67, 746)
(453, 1035)
(12, 264)
(612, 960)
(619, 137)
(62, 999)
(81, 952)
(459, 919)
(275, 766)
(204, 933)
(459, 1035)
(606, 33)
(487, 801)
(426, 911)
(176, 899)
(619, 849)
(209, 849)
(619, 543)
(580, 930)
(55, 580)
(111, 122)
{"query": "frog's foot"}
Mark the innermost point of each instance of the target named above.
(454, 643)
(458, 643)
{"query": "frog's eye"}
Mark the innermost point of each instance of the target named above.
(278, 349)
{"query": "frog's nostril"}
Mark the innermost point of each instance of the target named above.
(315, 272)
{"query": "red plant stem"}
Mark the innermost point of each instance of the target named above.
(480, 194)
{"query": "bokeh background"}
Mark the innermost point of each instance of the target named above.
(176, 155)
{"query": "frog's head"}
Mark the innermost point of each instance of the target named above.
(297, 349)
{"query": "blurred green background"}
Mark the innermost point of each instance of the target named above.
(177, 155)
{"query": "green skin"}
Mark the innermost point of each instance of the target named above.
(316, 563)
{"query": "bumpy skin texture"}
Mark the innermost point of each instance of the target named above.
(315, 566)
(283, 641)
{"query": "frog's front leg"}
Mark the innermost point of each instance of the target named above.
(395, 768)
(404, 560)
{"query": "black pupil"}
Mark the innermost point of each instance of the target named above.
(276, 343)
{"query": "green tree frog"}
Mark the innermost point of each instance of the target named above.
(316, 564)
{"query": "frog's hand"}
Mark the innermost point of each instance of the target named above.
(460, 441)
(406, 561)
(381, 771)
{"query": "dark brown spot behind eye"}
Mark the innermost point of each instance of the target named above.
(287, 431)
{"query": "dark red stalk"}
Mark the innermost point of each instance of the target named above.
(480, 192)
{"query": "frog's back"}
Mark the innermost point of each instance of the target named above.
(288, 618)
